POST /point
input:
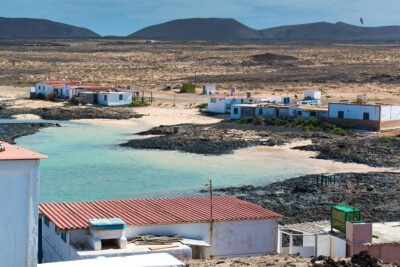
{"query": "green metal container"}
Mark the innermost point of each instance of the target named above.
(341, 214)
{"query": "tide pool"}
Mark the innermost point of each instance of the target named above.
(86, 163)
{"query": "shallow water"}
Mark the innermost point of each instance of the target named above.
(85, 163)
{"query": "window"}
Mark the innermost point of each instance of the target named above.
(341, 114)
(241, 101)
(121, 97)
(313, 113)
(299, 113)
(260, 113)
(46, 221)
(228, 106)
(105, 97)
(213, 100)
(235, 111)
(366, 116)
(277, 112)
(55, 229)
(64, 237)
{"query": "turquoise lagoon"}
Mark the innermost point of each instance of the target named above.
(86, 163)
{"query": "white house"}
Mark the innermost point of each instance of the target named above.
(114, 98)
(233, 228)
(368, 116)
(19, 191)
(223, 104)
(312, 95)
(277, 111)
(209, 89)
(47, 87)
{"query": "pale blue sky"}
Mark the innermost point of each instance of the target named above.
(122, 17)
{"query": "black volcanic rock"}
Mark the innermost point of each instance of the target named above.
(198, 29)
(33, 28)
(230, 29)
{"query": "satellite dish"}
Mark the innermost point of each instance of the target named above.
(362, 21)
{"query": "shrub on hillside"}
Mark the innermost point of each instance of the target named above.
(188, 88)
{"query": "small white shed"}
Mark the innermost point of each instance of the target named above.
(114, 98)
(312, 95)
(19, 200)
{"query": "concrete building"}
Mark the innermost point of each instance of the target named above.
(311, 239)
(312, 95)
(277, 111)
(223, 104)
(209, 89)
(235, 228)
(47, 87)
(19, 191)
(114, 98)
(381, 240)
(365, 116)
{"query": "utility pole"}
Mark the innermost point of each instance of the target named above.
(209, 185)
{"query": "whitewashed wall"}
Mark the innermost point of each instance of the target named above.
(218, 106)
(354, 111)
(19, 191)
(113, 99)
(390, 113)
(231, 238)
(313, 94)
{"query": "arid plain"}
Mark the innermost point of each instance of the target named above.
(339, 70)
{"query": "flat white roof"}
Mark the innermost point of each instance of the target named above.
(146, 260)
(385, 232)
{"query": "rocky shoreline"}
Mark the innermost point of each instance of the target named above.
(11, 131)
(72, 113)
(225, 137)
(301, 199)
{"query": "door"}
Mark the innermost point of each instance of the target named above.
(366, 116)
(341, 114)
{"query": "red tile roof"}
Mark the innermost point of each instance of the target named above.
(75, 215)
(96, 88)
(16, 153)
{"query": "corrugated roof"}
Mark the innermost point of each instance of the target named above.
(75, 215)
(16, 153)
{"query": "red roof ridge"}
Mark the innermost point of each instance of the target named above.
(12, 152)
(75, 215)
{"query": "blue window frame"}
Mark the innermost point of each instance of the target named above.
(46, 221)
(55, 229)
(64, 237)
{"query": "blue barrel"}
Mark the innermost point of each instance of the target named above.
(286, 100)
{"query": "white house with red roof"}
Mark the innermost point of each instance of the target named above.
(59, 87)
(225, 227)
(19, 191)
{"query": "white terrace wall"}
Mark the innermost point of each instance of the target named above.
(353, 111)
(230, 238)
(54, 247)
(19, 185)
(390, 113)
